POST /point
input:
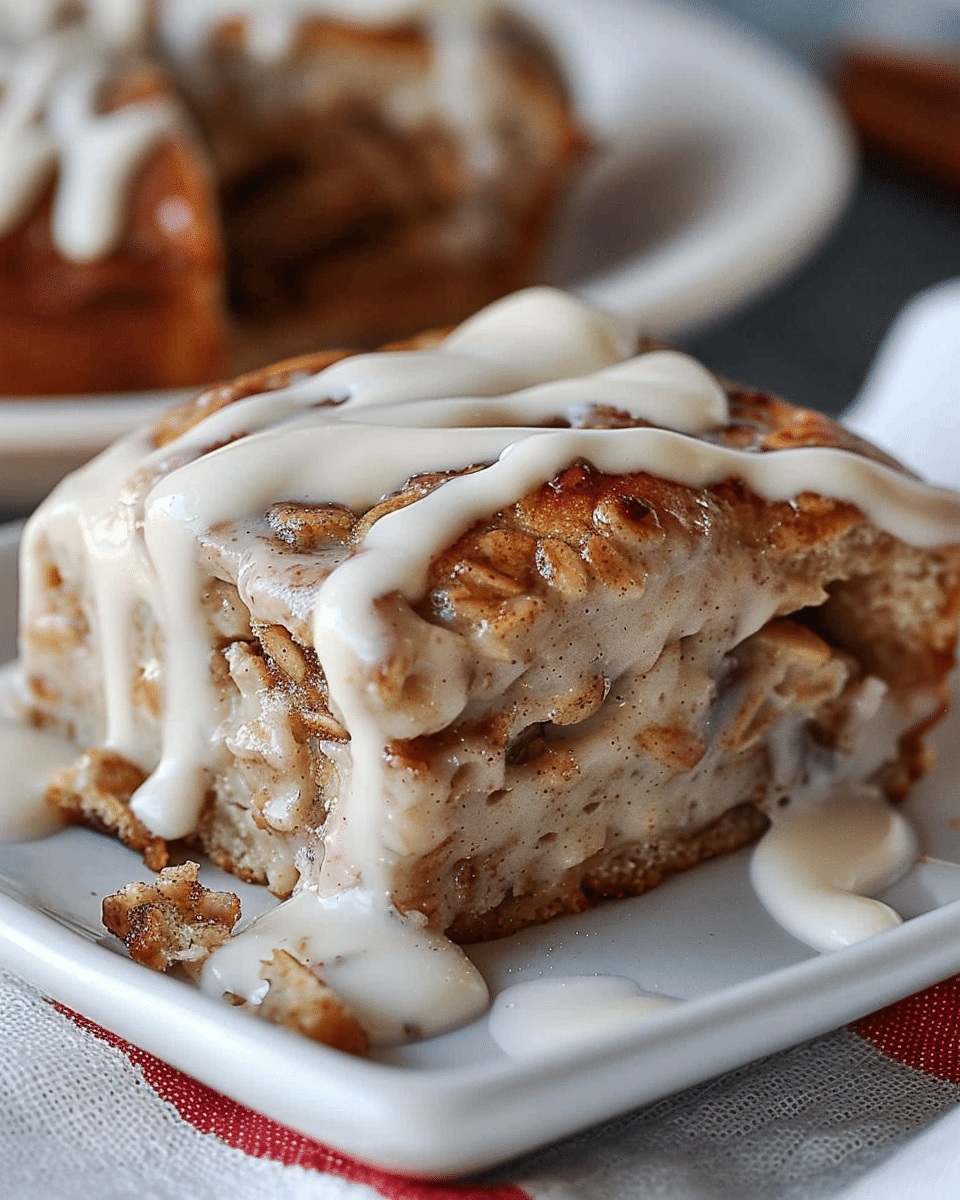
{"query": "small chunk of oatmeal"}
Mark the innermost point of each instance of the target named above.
(299, 1000)
(175, 923)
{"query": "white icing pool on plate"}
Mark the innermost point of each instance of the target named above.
(816, 867)
(538, 1017)
(401, 980)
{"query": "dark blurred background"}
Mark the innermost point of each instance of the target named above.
(812, 339)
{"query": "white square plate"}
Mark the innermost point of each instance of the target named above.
(457, 1103)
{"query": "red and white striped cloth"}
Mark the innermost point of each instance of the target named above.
(870, 1112)
(84, 1114)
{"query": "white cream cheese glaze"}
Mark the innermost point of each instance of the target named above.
(349, 435)
(834, 842)
(401, 980)
(541, 1017)
(516, 360)
(824, 856)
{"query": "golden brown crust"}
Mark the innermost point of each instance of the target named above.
(763, 423)
(148, 315)
(96, 790)
(179, 419)
(314, 220)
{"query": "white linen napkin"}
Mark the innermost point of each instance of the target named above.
(910, 402)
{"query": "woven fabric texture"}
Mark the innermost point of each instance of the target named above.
(83, 1114)
(797, 1126)
(80, 1120)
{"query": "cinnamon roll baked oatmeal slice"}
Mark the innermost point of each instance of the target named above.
(193, 187)
(497, 624)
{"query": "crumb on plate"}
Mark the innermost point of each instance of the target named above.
(173, 923)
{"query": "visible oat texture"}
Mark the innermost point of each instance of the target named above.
(639, 651)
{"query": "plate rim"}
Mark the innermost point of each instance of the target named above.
(441, 1122)
(823, 149)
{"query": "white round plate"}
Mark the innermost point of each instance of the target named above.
(719, 165)
(724, 163)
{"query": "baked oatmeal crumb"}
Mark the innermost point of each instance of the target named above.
(174, 923)
(307, 527)
(299, 1000)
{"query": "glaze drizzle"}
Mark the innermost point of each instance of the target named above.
(479, 399)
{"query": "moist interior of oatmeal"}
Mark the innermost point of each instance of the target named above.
(585, 781)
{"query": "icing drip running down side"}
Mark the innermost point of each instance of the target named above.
(824, 857)
(506, 395)
(509, 365)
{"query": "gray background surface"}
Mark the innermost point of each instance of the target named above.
(812, 340)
